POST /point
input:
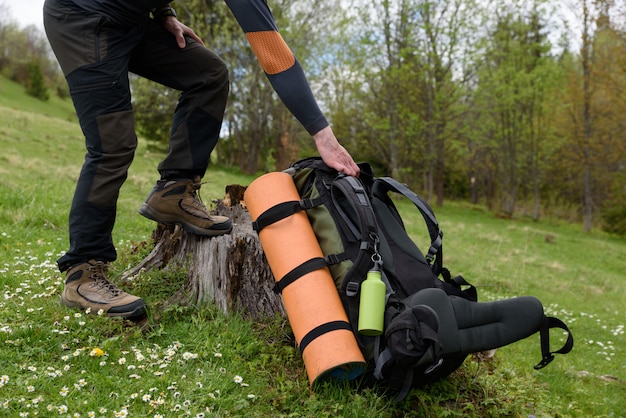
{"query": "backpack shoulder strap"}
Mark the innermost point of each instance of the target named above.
(354, 216)
(357, 194)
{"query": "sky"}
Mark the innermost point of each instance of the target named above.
(29, 12)
(25, 12)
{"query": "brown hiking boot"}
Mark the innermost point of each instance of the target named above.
(86, 286)
(177, 202)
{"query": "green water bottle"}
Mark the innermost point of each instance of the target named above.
(372, 304)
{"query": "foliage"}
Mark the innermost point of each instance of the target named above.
(154, 107)
(614, 219)
(36, 86)
(614, 213)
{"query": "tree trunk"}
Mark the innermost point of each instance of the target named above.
(230, 271)
(286, 146)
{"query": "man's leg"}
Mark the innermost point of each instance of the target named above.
(94, 58)
(202, 78)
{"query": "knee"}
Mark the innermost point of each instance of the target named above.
(118, 139)
(213, 75)
(220, 76)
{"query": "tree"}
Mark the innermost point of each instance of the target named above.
(377, 86)
(446, 36)
(513, 85)
(36, 84)
(399, 84)
(592, 159)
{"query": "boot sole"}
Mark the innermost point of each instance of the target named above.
(164, 218)
(137, 314)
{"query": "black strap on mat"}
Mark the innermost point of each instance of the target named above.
(549, 323)
(321, 330)
(304, 268)
(283, 210)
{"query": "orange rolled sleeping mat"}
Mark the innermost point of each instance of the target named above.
(314, 309)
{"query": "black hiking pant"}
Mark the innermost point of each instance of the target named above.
(96, 55)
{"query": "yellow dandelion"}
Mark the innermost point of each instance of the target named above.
(96, 352)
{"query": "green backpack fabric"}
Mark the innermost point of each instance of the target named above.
(433, 321)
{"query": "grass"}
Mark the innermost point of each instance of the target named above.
(197, 361)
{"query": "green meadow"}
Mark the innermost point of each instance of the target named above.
(195, 361)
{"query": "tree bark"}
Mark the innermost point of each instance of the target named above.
(230, 271)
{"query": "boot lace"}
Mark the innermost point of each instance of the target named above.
(194, 191)
(98, 274)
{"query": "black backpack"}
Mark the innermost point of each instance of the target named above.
(432, 320)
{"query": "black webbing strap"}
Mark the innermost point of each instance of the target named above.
(427, 213)
(321, 330)
(457, 282)
(355, 192)
(549, 323)
(421, 204)
(282, 211)
(304, 268)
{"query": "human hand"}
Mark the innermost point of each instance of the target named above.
(180, 30)
(333, 153)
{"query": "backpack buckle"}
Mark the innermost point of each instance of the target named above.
(352, 289)
(433, 366)
(307, 204)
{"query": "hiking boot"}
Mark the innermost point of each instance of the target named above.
(86, 286)
(177, 202)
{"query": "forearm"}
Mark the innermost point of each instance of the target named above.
(278, 61)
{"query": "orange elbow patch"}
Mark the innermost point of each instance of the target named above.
(271, 50)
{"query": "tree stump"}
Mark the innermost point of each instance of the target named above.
(230, 271)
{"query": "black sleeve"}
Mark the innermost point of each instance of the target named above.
(277, 60)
